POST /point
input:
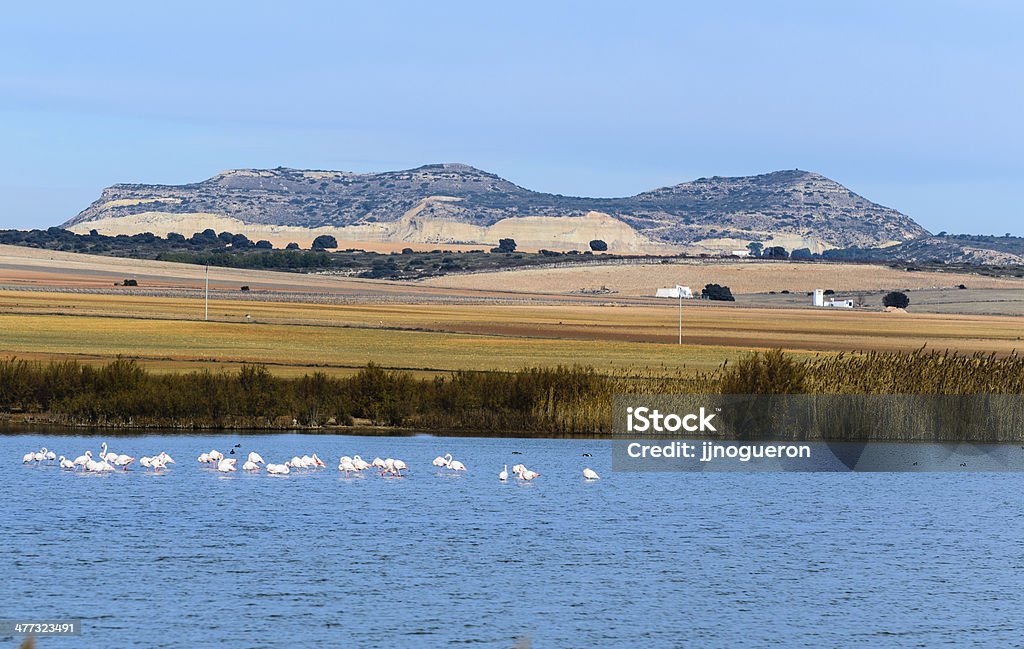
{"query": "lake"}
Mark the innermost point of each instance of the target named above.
(191, 557)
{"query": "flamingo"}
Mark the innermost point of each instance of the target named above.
(28, 457)
(165, 458)
(519, 468)
(204, 458)
(82, 460)
(590, 474)
(278, 469)
(146, 461)
(377, 463)
(317, 462)
(345, 464)
(120, 460)
(359, 463)
(255, 458)
(400, 466)
(66, 463)
(295, 462)
(528, 475)
(216, 456)
(456, 466)
(250, 466)
(226, 466)
(503, 476)
(157, 462)
(442, 461)
(49, 456)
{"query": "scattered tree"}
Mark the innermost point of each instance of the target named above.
(896, 299)
(292, 246)
(505, 245)
(598, 245)
(717, 292)
(263, 244)
(324, 241)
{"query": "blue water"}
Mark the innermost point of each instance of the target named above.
(195, 558)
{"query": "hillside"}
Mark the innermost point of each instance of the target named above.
(454, 203)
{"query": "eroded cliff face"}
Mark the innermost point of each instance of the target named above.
(454, 203)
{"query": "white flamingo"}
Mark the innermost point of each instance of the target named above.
(518, 468)
(146, 461)
(226, 466)
(204, 458)
(278, 469)
(158, 462)
(442, 461)
(377, 463)
(66, 463)
(84, 459)
(255, 458)
(345, 464)
(216, 456)
(121, 461)
(165, 458)
(590, 474)
(317, 462)
(49, 456)
(250, 466)
(28, 457)
(359, 463)
(528, 475)
(503, 476)
(456, 466)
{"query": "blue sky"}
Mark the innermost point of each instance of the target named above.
(916, 105)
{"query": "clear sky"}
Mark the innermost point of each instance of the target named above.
(915, 105)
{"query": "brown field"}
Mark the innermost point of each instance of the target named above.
(741, 277)
(63, 305)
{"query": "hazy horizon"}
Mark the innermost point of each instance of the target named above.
(911, 106)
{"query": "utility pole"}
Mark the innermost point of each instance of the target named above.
(206, 315)
(679, 290)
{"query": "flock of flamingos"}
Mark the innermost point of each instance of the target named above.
(110, 461)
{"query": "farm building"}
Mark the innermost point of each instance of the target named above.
(818, 299)
(675, 292)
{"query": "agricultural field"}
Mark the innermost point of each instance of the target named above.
(743, 277)
(169, 332)
(65, 305)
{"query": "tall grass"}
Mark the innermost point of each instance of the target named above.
(535, 400)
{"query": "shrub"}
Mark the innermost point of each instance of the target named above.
(324, 241)
(717, 292)
(896, 299)
(505, 245)
(130, 282)
(598, 245)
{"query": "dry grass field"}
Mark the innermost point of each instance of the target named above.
(741, 277)
(168, 332)
(63, 305)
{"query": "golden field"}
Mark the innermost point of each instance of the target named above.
(168, 332)
(65, 305)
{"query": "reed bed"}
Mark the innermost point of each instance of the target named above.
(559, 400)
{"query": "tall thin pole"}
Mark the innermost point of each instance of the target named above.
(206, 315)
(680, 291)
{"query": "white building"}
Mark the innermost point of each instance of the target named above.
(675, 292)
(819, 300)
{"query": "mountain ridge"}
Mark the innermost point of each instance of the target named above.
(447, 202)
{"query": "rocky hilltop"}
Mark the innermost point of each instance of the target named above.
(455, 203)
